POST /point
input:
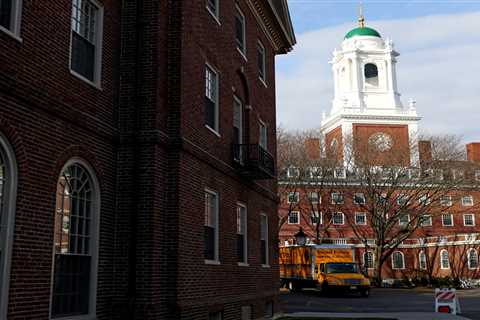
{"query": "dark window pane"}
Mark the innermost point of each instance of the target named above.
(210, 113)
(371, 70)
(261, 62)
(71, 291)
(209, 243)
(83, 56)
(263, 249)
(239, 31)
(240, 248)
(212, 5)
(6, 13)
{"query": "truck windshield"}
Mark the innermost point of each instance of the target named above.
(342, 268)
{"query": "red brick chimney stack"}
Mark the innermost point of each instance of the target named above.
(473, 152)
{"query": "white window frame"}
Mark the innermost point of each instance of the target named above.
(297, 213)
(318, 199)
(402, 224)
(469, 252)
(267, 250)
(16, 21)
(316, 214)
(333, 218)
(245, 234)
(97, 74)
(94, 242)
(261, 47)
(216, 14)
(465, 220)
(296, 195)
(340, 173)
(215, 130)
(442, 266)
(8, 212)
(365, 253)
(402, 197)
(393, 260)
(263, 135)
(294, 175)
(422, 260)
(430, 220)
(446, 201)
(443, 221)
(333, 198)
(361, 214)
(359, 195)
(469, 202)
(242, 15)
(216, 242)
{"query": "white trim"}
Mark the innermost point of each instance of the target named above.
(424, 255)
(94, 242)
(16, 21)
(9, 206)
(400, 223)
(264, 55)
(470, 197)
(373, 259)
(332, 201)
(468, 259)
(245, 234)
(216, 242)
(298, 217)
(362, 196)
(473, 220)
(443, 222)
(217, 98)
(296, 195)
(441, 259)
(97, 69)
(316, 214)
(393, 260)
(215, 15)
(364, 214)
(333, 218)
(260, 124)
(244, 52)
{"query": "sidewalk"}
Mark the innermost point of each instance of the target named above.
(396, 315)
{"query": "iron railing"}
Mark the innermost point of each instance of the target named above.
(253, 161)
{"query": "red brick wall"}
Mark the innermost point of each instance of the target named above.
(337, 135)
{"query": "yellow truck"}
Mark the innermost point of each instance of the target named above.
(325, 267)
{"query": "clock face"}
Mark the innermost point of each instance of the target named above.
(334, 144)
(382, 141)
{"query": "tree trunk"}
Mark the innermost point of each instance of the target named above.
(377, 270)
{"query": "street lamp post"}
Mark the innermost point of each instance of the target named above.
(300, 237)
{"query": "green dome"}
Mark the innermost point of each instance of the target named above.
(365, 31)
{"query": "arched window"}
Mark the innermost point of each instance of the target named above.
(422, 260)
(398, 260)
(368, 259)
(472, 257)
(371, 74)
(444, 259)
(8, 188)
(75, 242)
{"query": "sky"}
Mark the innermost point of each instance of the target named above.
(438, 66)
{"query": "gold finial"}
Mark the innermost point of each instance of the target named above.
(361, 18)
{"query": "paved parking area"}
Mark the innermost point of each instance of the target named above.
(380, 301)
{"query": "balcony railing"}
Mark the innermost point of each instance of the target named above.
(253, 162)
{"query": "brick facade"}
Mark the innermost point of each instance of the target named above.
(142, 131)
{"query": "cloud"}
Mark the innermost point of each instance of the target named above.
(439, 67)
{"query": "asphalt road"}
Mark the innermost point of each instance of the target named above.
(380, 300)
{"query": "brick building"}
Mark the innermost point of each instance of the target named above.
(136, 169)
(369, 134)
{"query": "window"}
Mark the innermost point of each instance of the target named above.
(467, 201)
(214, 8)
(75, 242)
(382, 199)
(424, 200)
(86, 42)
(472, 259)
(240, 31)
(337, 198)
(215, 315)
(293, 172)
(246, 313)
(360, 218)
(315, 172)
(264, 239)
(371, 74)
(338, 218)
(294, 217)
(316, 217)
(359, 198)
(10, 16)
(426, 220)
(263, 134)
(238, 128)
(242, 237)
(211, 98)
(368, 259)
(8, 185)
(261, 61)
(457, 174)
(444, 260)
(469, 220)
(447, 219)
(422, 260)
(293, 197)
(211, 226)
(340, 173)
(404, 219)
(402, 200)
(446, 201)
(398, 260)
(314, 198)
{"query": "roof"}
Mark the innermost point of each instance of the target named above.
(362, 31)
(282, 13)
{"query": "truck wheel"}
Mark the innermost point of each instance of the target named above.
(295, 286)
(324, 288)
(365, 293)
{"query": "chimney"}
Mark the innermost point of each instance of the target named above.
(425, 152)
(473, 152)
(312, 148)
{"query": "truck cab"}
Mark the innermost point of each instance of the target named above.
(342, 276)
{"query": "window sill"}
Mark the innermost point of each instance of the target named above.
(265, 266)
(212, 262)
(214, 16)
(11, 34)
(243, 264)
(89, 82)
(213, 131)
(263, 82)
(243, 54)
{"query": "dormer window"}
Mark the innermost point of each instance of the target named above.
(371, 74)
